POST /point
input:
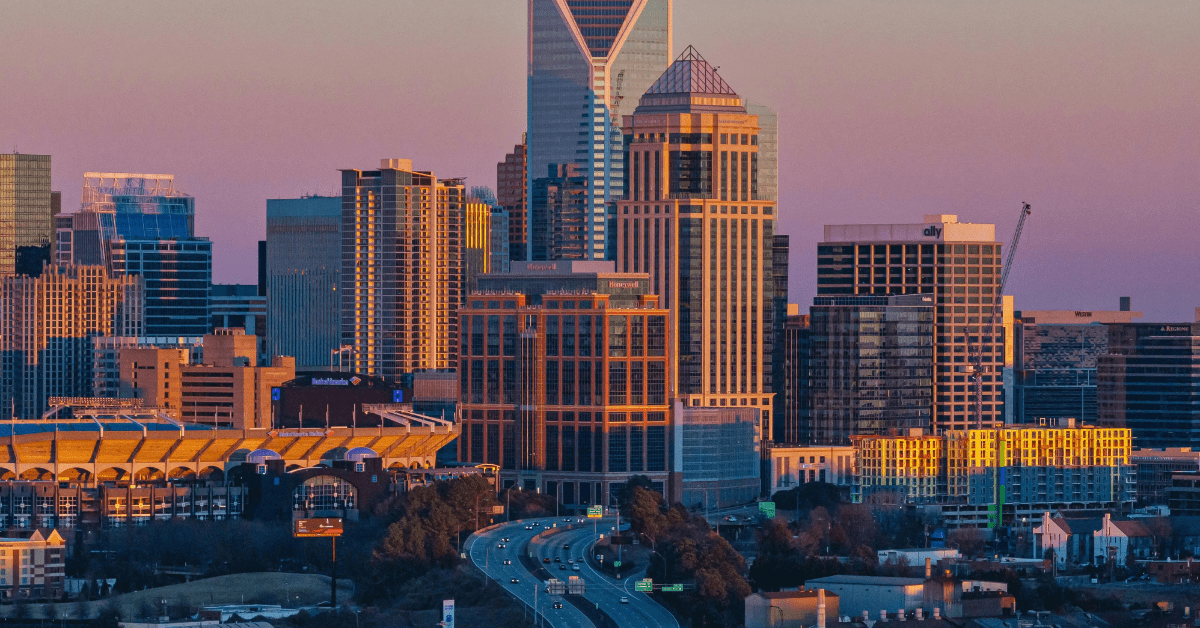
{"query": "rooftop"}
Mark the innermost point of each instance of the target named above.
(871, 580)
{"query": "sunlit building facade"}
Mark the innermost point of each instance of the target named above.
(402, 269)
(585, 59)
(692, 218)
(26, 208)
(304, 268)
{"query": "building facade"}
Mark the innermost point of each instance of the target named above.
(794, 466)
(33, 567)
(240, 306)
(139, 224)
(871, 366)
(717, 455)
(512, 196)
(959, 264)
(692, 218)
(988, 477)
(402, 269)
(46, 328)
(794, 424)
(304, 268)
(560, 224)
(106, 357)
(1055, 360)
(26, 208)
(584, 59)
(1155, 468)
(569, 395)
(1149, 382)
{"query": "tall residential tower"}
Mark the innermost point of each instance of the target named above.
(585, 57)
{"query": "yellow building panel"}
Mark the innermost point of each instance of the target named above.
(75, 451)
(154, 449)
(116, 450)
(36, 452)
(218, 448)
(188, 449)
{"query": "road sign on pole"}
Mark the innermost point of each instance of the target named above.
(767, 509)
(448, 613)
(645, 584)
(595, 512)
(617, 564)
(673, 588)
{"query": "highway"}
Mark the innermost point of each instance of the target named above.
(484, 551)
(639, 611)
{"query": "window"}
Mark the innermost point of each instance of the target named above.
(585, 383)
(552, 447)
(552, 383)
(637, 383)
(657, 383)
(617, 453)
(616, 337)
(324, 492)
(617, 383)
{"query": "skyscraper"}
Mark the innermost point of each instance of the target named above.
(402, 269)
(585, 56)
(46, 328)
(511, 195)
(139, 224)
(26, 210)
(693, 219)
(1149, 382)
(768, 150)
(959, 263)
(304, 269)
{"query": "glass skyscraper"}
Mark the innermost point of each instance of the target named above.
(26, 211)
(139, 224)
(585, 58)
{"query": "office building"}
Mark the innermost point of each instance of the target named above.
(303, 272)
(993, 477)
(1149, 382)
(776, 275)
(794, 423)
(717, 455)
(33, 566)
(240, 306)
(871, 366)
(768, 150)
(227, 389)
(566, 390)
(560, 229)
(512, 196)
(477, 240)
(402, 269)
(791, 467)
(584, 59)
(1055, 361)
(692, 218)
(960, 265)
(46, 328)
(139, 224)
(106, 357)
(500, 254)
(1156, 466)
(26, 209)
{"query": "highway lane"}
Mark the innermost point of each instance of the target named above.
(484, 551)
(640, 610)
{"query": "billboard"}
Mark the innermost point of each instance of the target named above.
(322, 526)
(448, 613)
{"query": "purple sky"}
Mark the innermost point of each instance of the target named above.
(1089, 110)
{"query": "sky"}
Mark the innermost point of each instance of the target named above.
(1088, 110)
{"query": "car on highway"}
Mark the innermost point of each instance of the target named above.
(566, 546)
(570, 561)
(567, 519)
(507, 561)
(501, 545)
(624, 600)
(537, 523)
(562, 567)
(557, 559)
(528, 527)
(505, 539)
(558, 605)
(574, 567)
(546, 559)
(515, 581)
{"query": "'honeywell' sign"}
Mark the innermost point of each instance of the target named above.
(624, 284)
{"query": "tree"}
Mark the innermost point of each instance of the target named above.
(625, 492)
(970, 541)
(645, 512)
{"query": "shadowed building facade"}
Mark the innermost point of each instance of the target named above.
(27, 208)
(585, 57)
(1149, 382)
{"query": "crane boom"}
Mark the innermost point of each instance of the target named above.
(997, 304)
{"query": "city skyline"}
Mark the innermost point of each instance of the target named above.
(1083, 110)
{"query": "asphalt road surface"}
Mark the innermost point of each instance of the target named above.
(638, 611)
(483, 550)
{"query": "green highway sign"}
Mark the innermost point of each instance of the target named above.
(767, 508)
(616, 563)
(645, 584)
(595, 512)
(673, 588)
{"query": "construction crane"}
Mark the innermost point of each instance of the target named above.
(977, 369)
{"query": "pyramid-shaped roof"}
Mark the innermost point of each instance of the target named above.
(691, 74)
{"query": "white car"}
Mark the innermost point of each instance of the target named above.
(624, 600)
(574, 567)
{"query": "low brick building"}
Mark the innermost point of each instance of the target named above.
(32, 567)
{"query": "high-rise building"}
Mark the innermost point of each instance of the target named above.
(1149, 382)
(512, 196)
(46, 328)
(998, 476)
(139, 224)
(228, 388)
(1055, 356)
(26, 208)
(106, 357)
(768, 150)
(500, 255)
(304, 269)
(776, 275)
(477, 240)
(793, 425)
(239, 305)
(560, 228)
(871, 366)
(402, 269)
(692, 218)
(959, 264)
(585, 57)
(563, 379)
